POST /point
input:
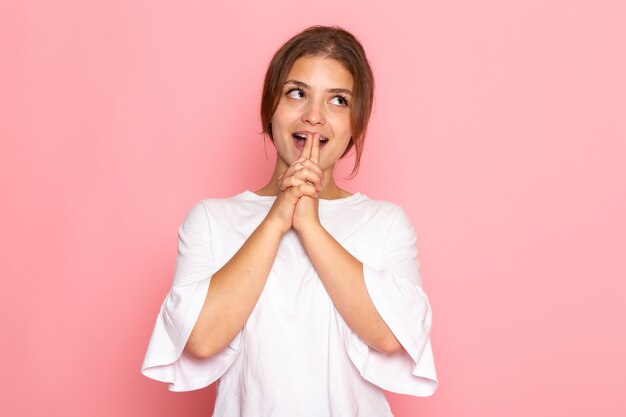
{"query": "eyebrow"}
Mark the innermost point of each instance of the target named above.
(330, 90)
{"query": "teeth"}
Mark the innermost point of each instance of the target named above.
(304, 137)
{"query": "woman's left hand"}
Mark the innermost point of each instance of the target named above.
(305, 214)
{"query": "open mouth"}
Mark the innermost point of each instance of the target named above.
(301, 138)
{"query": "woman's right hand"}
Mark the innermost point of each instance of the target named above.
(301, 178)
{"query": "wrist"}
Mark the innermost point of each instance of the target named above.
(309, 229)
(272, 226)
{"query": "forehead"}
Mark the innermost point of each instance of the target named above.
(321, 72)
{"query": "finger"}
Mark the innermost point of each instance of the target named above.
(309, 164)
(296, 166)
(308, 190)
(286, 172)
(310, 176)
(312, 166)
(306, 150)
(300, 160)
(315, 149)
(302, 189)
(291, 182)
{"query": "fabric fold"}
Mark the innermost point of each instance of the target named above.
(394, 286)
(165, 359)
(331, 366)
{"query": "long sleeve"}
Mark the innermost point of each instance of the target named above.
(394, 285)
(165, 359)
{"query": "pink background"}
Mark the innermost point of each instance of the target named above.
(499, 126)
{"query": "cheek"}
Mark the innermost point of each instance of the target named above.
(281, 119)
(340, 123)
(346, 130)
(346, 123)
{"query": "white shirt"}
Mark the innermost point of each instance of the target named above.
(295, 355)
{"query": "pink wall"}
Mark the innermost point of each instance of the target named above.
(499, 126)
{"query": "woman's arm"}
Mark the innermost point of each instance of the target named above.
(234, 291)
(340, 272)
(236, 287)
(342, 276)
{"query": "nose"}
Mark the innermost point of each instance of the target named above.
(313, 114)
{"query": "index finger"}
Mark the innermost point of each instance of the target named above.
(306, 149)
(315, 151)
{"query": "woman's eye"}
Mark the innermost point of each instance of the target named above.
(295, 93)
(340, 101)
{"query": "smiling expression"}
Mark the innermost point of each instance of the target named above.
(316, 98)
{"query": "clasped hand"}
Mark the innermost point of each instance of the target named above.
(298, 200)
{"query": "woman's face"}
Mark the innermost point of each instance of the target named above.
(316, 98)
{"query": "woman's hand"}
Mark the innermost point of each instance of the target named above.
(306, 212)
(303, 178)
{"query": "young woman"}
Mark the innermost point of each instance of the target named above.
(302, 298)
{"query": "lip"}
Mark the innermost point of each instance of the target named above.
(299, 146)
(309, 134)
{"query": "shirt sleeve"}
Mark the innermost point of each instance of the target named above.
(165, 359)
(395, 287)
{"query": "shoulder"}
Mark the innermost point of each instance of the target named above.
(380, 208)
(387, 214)
(202, 210)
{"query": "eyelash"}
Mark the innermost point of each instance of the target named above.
(291, 90)
(344, 99)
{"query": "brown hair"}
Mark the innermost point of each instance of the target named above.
(328, 42)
